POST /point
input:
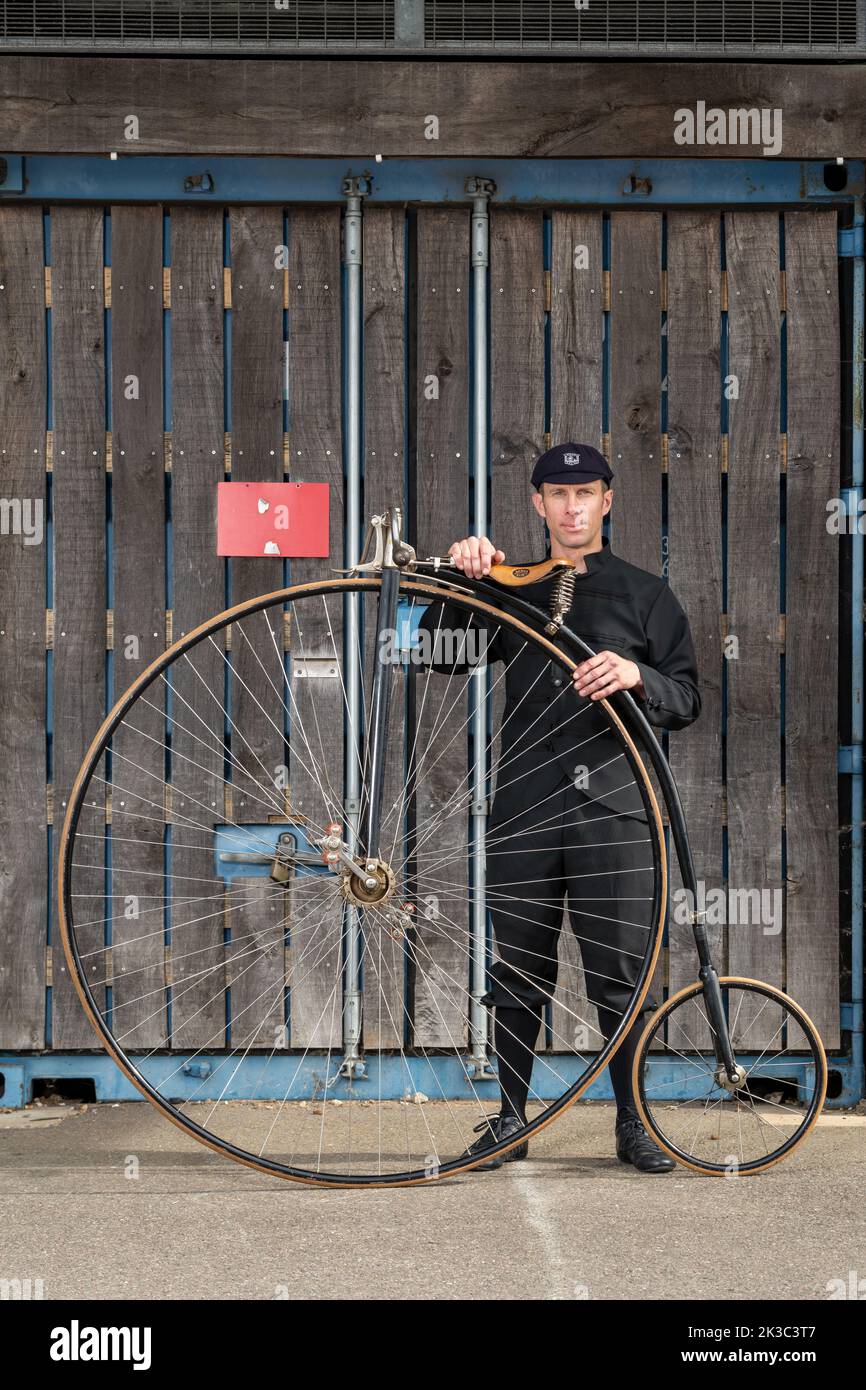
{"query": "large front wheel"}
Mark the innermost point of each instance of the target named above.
(297, 1001)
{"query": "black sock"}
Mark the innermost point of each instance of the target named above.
(621, 1065)
(515, 1035)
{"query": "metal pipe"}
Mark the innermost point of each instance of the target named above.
(478, 1063)
(857, 373)
(354, 189)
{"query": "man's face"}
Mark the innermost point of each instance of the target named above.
(573, 511)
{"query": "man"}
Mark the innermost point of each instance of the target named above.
(561, 772)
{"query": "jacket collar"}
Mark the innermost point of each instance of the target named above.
(596, 559)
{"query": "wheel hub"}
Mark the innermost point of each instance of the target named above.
(723, 1080)
(356, 891)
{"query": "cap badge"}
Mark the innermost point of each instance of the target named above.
(571, 458)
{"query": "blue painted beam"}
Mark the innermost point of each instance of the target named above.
(569, 182)
(222, 1076)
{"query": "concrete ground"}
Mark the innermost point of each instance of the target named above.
(568, 1222)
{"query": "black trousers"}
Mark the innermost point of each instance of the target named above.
(544, 850)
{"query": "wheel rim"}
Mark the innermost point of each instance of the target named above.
(156, 736)
(720, 1129)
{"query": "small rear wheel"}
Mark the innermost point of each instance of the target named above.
(693, 1110)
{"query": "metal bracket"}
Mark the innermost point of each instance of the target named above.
(355, 188)
(392, 552)
(478, 1068)
(852, 241)
(352, 1068)
(481, 191)
(850, 759)
(641, 187)
(314, 666)
(357, 185)
(479, 187)
(199, 183)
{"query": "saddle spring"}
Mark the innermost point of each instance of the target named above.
(561, 599)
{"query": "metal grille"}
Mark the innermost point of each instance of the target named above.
(707, 28)
(218, 24)
(648, 26)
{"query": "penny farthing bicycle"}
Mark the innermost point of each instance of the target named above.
(274, 907)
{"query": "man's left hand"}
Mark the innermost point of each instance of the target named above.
(606, 673)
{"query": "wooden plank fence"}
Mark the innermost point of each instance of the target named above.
(663, 301)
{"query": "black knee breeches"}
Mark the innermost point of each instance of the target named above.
(565, 844)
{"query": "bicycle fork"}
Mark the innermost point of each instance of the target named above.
(377, 882)
(729, 1074)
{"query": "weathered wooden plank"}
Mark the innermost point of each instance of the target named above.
(516, 377)
(343, 107)
(198, 591)
(257, 692)
(23, 893)
(78, 376)
(753, 770)
(635, 412)
(316, 628)
(811, 621)
(635, 387)
(441, 966)
(695, 557)
(576, 327)
(138, 511)
(385, 1006)
(576, 349)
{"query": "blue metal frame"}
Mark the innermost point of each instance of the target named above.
(544, 183)
(578, 182)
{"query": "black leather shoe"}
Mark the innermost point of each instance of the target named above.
(634, 1145)
(494, 1128)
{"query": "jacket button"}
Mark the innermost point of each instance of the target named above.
(557, 680)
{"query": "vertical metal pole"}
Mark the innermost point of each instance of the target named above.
(857, 421)
(478, 1064)
(354, 188)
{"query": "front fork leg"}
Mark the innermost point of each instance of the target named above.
(370, 816)
(729, 1074)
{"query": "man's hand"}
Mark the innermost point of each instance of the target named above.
(475, 554)
(606, 673)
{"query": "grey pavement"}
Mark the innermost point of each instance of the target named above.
(568, 1222)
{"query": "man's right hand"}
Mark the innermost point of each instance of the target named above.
(475, 554)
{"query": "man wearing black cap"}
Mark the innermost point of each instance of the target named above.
(643, 644)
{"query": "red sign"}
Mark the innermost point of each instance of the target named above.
(273, 519)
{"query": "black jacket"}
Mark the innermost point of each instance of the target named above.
(548, 728)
